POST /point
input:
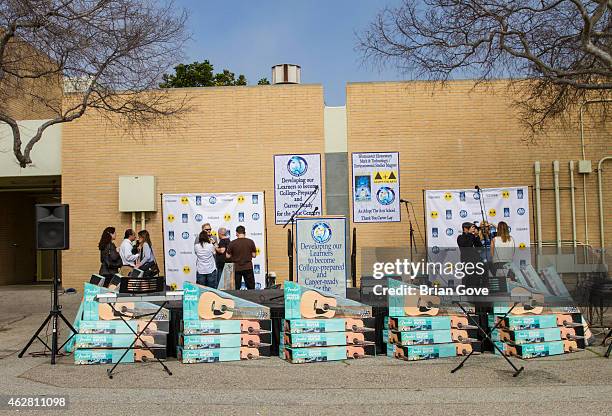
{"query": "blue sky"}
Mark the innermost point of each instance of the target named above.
(248, 37)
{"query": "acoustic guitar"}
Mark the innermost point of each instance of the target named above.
(535, 304)
(247, 353)
(355, 338)
(128, 310)
(249, 340)
(459, 335)
(106, 312)
(355, 325)
(354, 352)
(464, 349)
(251, 327)
(416, 305)
(569, 333)
(143, 356)
(149, 341)
(570, 346)
(459, 322)
(213, 306)
(567, 321)
(315, 305)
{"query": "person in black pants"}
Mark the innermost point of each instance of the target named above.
(110, 260)
(470, 247)
(241, 252)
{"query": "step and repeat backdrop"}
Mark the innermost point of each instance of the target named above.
(184, 215)
(447, 209)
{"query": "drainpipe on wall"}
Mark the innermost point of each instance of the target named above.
(557, 203)
(573, 197)
(537, 170)
(134, 221)
(601, 208)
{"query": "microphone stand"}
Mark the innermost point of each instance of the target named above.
(484, 219)
(291, 232)
(412, 240)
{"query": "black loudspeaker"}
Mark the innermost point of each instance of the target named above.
(52, 227)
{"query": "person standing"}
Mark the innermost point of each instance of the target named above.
(469, 244)
(206, 269)
(224, 241)
(146, 262)
(110, 260)
(502, 247)
(241, 252)
(128, 258)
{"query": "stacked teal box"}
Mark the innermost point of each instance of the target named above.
(219, 327)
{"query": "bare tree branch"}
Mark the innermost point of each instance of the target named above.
(559, 52)
(111, 53)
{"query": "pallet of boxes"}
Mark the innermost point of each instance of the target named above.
(322, 327)
(532, 330)
(103, 337)
(417, 328)
(219, 327)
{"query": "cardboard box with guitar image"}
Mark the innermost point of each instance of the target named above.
(229, 326)
(205, 303)
(428, 352)
(303, 302)
(331, 353)
(327, 339)
(541, 349)
(215, 355)
(97, 341)
(196, 342)
(112, 356)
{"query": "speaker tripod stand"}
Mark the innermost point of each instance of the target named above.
(54, 314)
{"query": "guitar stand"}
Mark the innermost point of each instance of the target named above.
(487, 335)
(609, 335)
(138, 334)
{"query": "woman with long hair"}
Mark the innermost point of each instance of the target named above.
(146, 261)
(110, 260)
(206, 266)
(502, 247)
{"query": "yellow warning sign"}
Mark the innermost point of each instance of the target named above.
(385, 176)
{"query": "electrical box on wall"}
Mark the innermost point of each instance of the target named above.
(137, 193)
(584, 166)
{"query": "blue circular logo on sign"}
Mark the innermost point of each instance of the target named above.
(198, 217)
(185, 235)
(435, 249)
(520, 211)
(255, 216)
(172, 252)
(476, 195)
(212, 200)
(297, 166)
(449, 231)
(321, 232)
(385, 195)
(463, 213)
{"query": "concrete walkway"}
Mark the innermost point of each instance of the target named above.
(579, 383)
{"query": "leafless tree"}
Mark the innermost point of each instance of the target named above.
(557, 52)
(112, 53)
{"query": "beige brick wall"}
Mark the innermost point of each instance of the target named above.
(458, 136)
(224, 144)
(453, 137)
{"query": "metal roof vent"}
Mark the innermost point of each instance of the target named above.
(286, 74)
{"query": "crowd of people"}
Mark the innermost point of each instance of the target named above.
(216, 256)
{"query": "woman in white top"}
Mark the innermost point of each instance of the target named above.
(206, 267)
(502, 247)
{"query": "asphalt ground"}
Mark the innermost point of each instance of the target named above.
(572, 383)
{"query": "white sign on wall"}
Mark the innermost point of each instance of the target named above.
(321, 253)
(376, 187)
(295, 178)
(184, 215)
